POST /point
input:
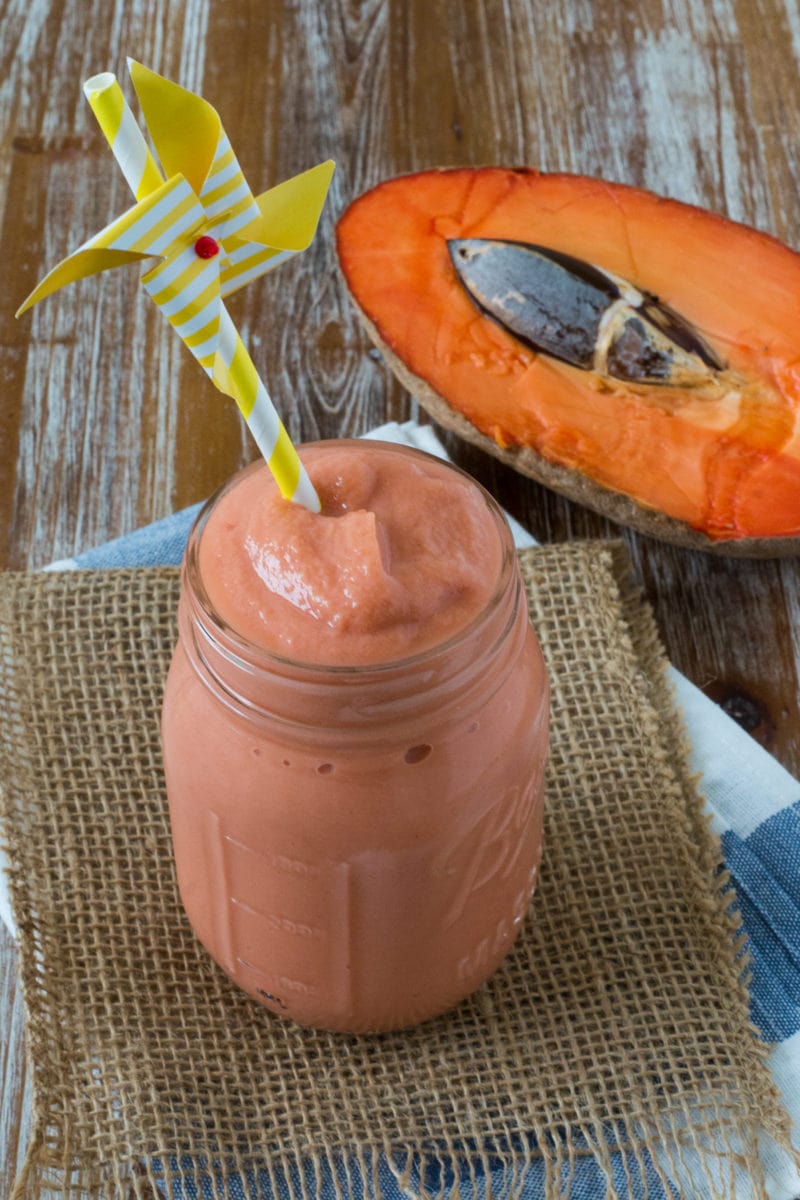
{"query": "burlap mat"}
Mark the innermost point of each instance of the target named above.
(618, 1026)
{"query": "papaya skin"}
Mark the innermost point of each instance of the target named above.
(721, 473)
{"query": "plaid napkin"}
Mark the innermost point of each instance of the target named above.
(754, 806)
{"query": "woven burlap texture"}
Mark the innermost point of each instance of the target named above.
(618, 1027)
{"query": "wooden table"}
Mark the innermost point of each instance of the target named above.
(107, 423)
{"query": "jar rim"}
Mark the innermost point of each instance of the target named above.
(259, 656)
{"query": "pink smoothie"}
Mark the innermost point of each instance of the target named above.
(403, 555)
(355, 731)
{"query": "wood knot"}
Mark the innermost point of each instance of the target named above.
(745, 709)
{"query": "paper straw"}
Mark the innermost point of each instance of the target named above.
(128, 145)
(264, 423)
(123, 134)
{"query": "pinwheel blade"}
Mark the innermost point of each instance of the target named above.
(80, 265)
(187, 290)
(289, 213)
(146, 230)
(287, 221)
(189, 139)
(185, 128)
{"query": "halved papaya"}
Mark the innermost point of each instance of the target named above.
(708, 459)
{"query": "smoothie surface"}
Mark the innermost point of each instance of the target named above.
(404, 554)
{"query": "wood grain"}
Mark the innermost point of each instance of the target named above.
(107, 423)
(15, 1080)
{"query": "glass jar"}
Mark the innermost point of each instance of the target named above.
(357, 846)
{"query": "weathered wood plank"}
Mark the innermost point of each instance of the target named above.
(15, 1080)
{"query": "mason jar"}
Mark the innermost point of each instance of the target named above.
(357, 846)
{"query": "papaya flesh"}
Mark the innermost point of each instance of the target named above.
(712, 464)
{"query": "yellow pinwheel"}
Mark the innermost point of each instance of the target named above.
(210, 234)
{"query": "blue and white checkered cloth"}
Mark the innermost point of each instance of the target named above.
(755, 808)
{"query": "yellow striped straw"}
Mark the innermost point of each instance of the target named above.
(186, 288)
(123, 134)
